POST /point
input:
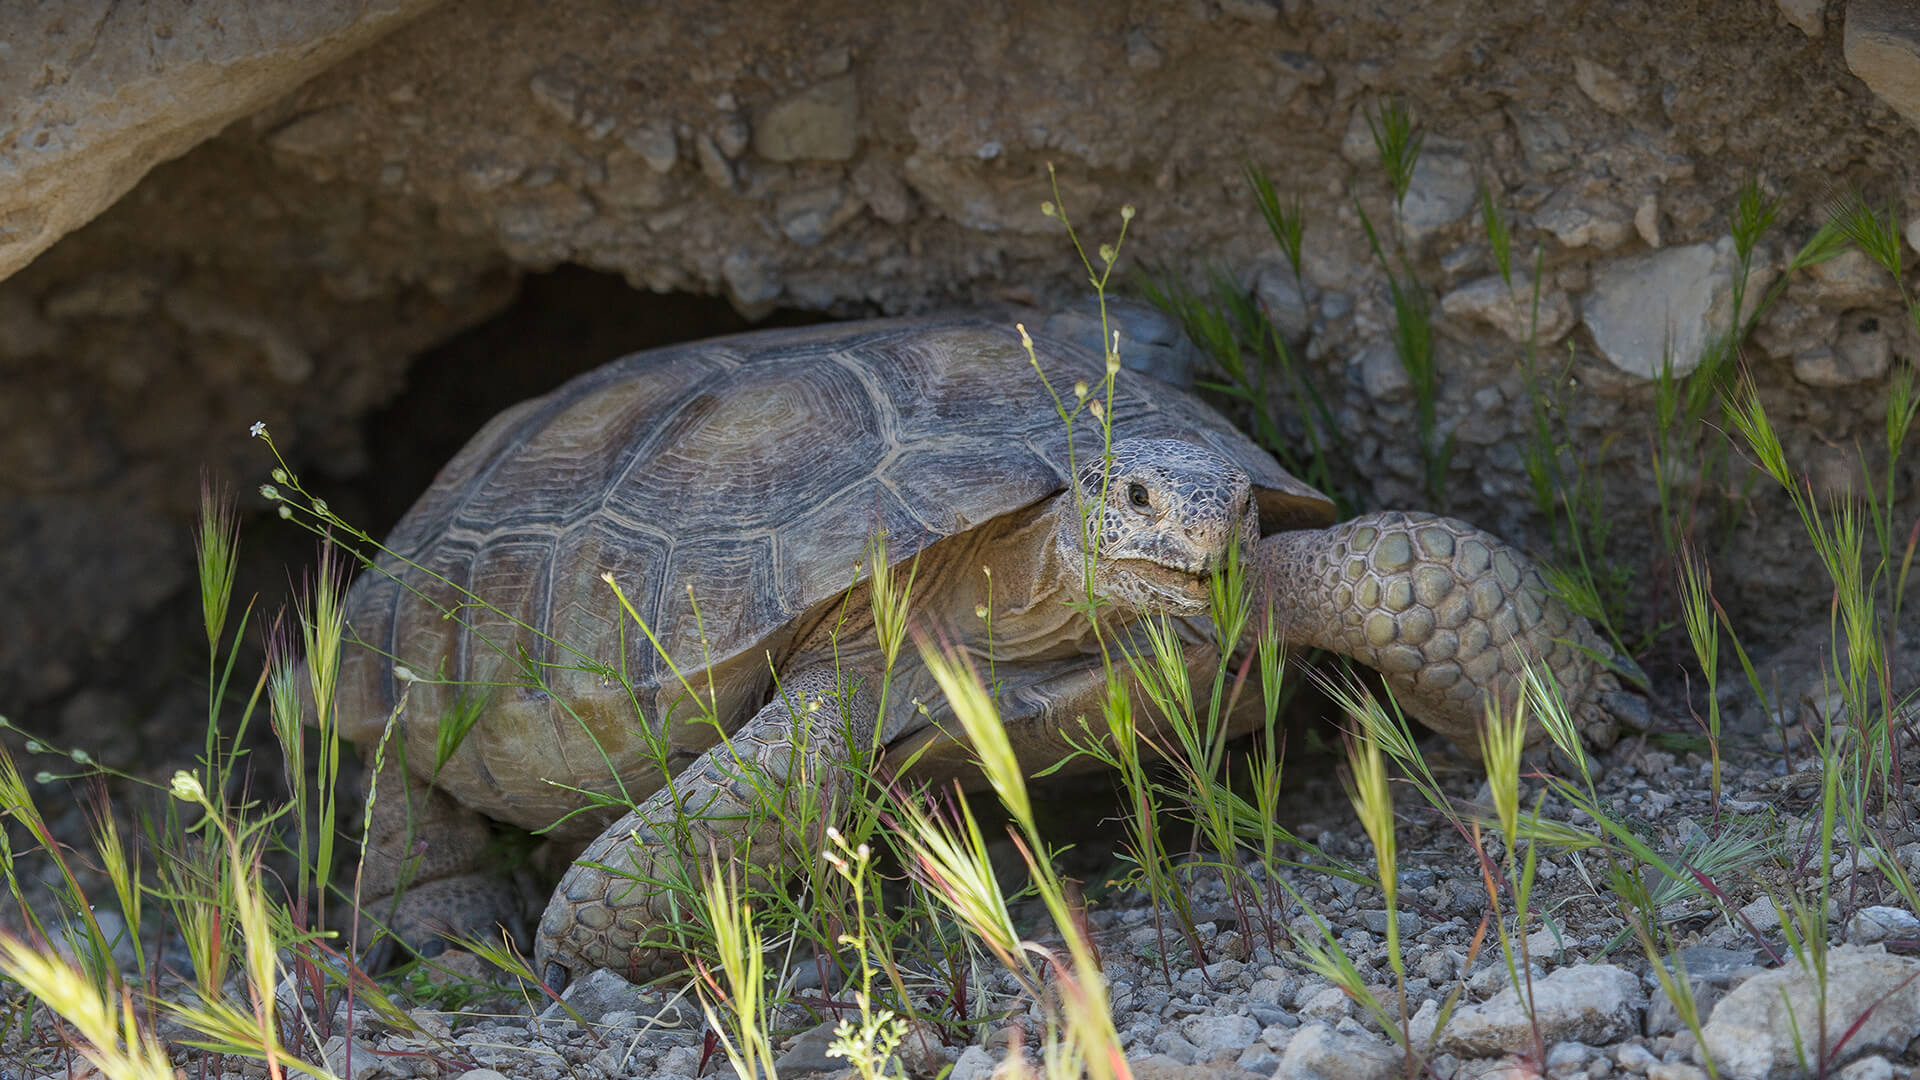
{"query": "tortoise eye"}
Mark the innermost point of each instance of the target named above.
(1137, 495)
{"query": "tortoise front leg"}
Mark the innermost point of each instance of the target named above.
(1449, 614)
(731, 803)
(431, 870)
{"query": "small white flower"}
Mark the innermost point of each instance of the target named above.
(186, 787)
(268, 491)
(404, 673)
(43, 777)
(833, 834)
(320, 507)
(81, 756)
(286, 512)
(280, 476)
(258, 430)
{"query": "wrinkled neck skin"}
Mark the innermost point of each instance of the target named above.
(1284, 574)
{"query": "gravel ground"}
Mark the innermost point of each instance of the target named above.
(1248, 1007)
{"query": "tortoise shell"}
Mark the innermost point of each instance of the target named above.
(729, 487)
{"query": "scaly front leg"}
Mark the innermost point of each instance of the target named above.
(729, 804)
(1449, 614)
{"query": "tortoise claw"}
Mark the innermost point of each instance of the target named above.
(556, 976)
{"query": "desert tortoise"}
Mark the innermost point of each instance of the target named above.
(750, 473)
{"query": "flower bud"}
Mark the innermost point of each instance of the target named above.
(186, 787)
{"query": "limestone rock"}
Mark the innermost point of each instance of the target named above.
(1512, 311)
(1213, 1034)
(1595, 1004)
(1882, 923)
(1383, 376)
(1851, 280)
(1750, 1035)
(808, 1054)
(1440, 193)
(1318, 1052)
(100, 91)
(1643, 309)
(1882, 43)
(1582, 220)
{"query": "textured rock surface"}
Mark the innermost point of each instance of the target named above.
(1883, 48)
(1751, 1036)
(830, 157)
(97, 92)
(1596, 1004)
(1319, 1052)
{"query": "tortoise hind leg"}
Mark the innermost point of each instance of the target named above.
(1450, 615)
(611, 908)
(426, 874)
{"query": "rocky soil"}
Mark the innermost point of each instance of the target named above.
(1591, 1005)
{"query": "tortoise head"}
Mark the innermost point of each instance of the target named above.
(1161, 521)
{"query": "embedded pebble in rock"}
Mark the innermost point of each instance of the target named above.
(1375, 921)
(1871, 1067)
(807, 217)
(601, 992)
(976, 1063)
(1594, 1003)
(1258, 1058)
(1568, 1059)
(1213, 1034)
(1603, 87)
(1330, 1005)
(1646, 219)
(1383, 375)
(820, 123)
(1581, 220)
(1642, 309)
(655, 143)
(1808, 16)
(1750, 1033)
(1716, 966)
(1880, 923)
(1663, 1016)
(481, 1074)
(1440, 193)
(1862, 352)
(1850, 279)
(1318, 1052)
(355, 1060)
(1675, 1070)
(1635, 1057)
(1176, 1046)
(809, 1052)
(1511, 311)
(1882, 46)
(1279, 293)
